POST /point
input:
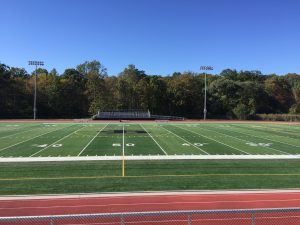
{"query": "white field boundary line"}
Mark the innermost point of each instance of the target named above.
(215, 140)
(185, 140)
(146, 157)
(91, 140)
(56, 142)
(243, 139)
(148, 194)
(239, 128)
(154, 140)
(33, 138)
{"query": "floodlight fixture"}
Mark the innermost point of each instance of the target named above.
(36, 64)
(205, 68)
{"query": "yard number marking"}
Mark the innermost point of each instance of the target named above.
(252, 144)
(195, 144)
(45, 145)
(119, 145)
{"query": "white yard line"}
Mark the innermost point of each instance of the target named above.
(154, 140)
(243, 139)
(32, 138)
(56, 142)
(185, 140)
(216, 141)
(273, 139)
(91, 140)
(144, 157)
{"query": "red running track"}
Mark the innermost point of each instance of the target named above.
(160, 202)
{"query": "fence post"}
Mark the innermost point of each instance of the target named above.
(122, 220)
(189, 219)
(253, 218)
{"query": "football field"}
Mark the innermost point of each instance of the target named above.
(64, 157)
(149, 138)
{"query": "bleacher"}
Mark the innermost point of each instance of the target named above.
(124, 115)
(132, 115)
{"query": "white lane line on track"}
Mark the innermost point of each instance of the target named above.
(151, 203)
(32, 138)
(154, 140)
(127, 195)
(91, 140)
(185, 140)
(215, 140)
(56, 142)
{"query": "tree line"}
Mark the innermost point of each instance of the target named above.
(80, 92)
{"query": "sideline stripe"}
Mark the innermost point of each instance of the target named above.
(91, 140)
(149, 176)
(33, 138)
(214, 140)
(154, 140)
(185, 140)
(55, 142)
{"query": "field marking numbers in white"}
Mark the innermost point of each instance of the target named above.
(56, 145)
(196, 144)
(45, 145)
(119, 145)
(40, 146)
(252, 144)
(130, 145)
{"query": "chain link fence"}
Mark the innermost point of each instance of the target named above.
(284, 216)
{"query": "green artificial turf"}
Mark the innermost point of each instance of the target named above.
(105, 176)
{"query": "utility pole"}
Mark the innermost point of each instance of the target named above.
(36, 64)
(205, 68)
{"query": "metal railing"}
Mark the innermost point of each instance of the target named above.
(278, 216)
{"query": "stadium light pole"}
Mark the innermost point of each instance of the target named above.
(36, 64)
(205, 68)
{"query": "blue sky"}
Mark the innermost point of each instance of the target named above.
(158, 36)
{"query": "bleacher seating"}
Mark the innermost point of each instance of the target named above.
(128, 114)
(132, 115)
